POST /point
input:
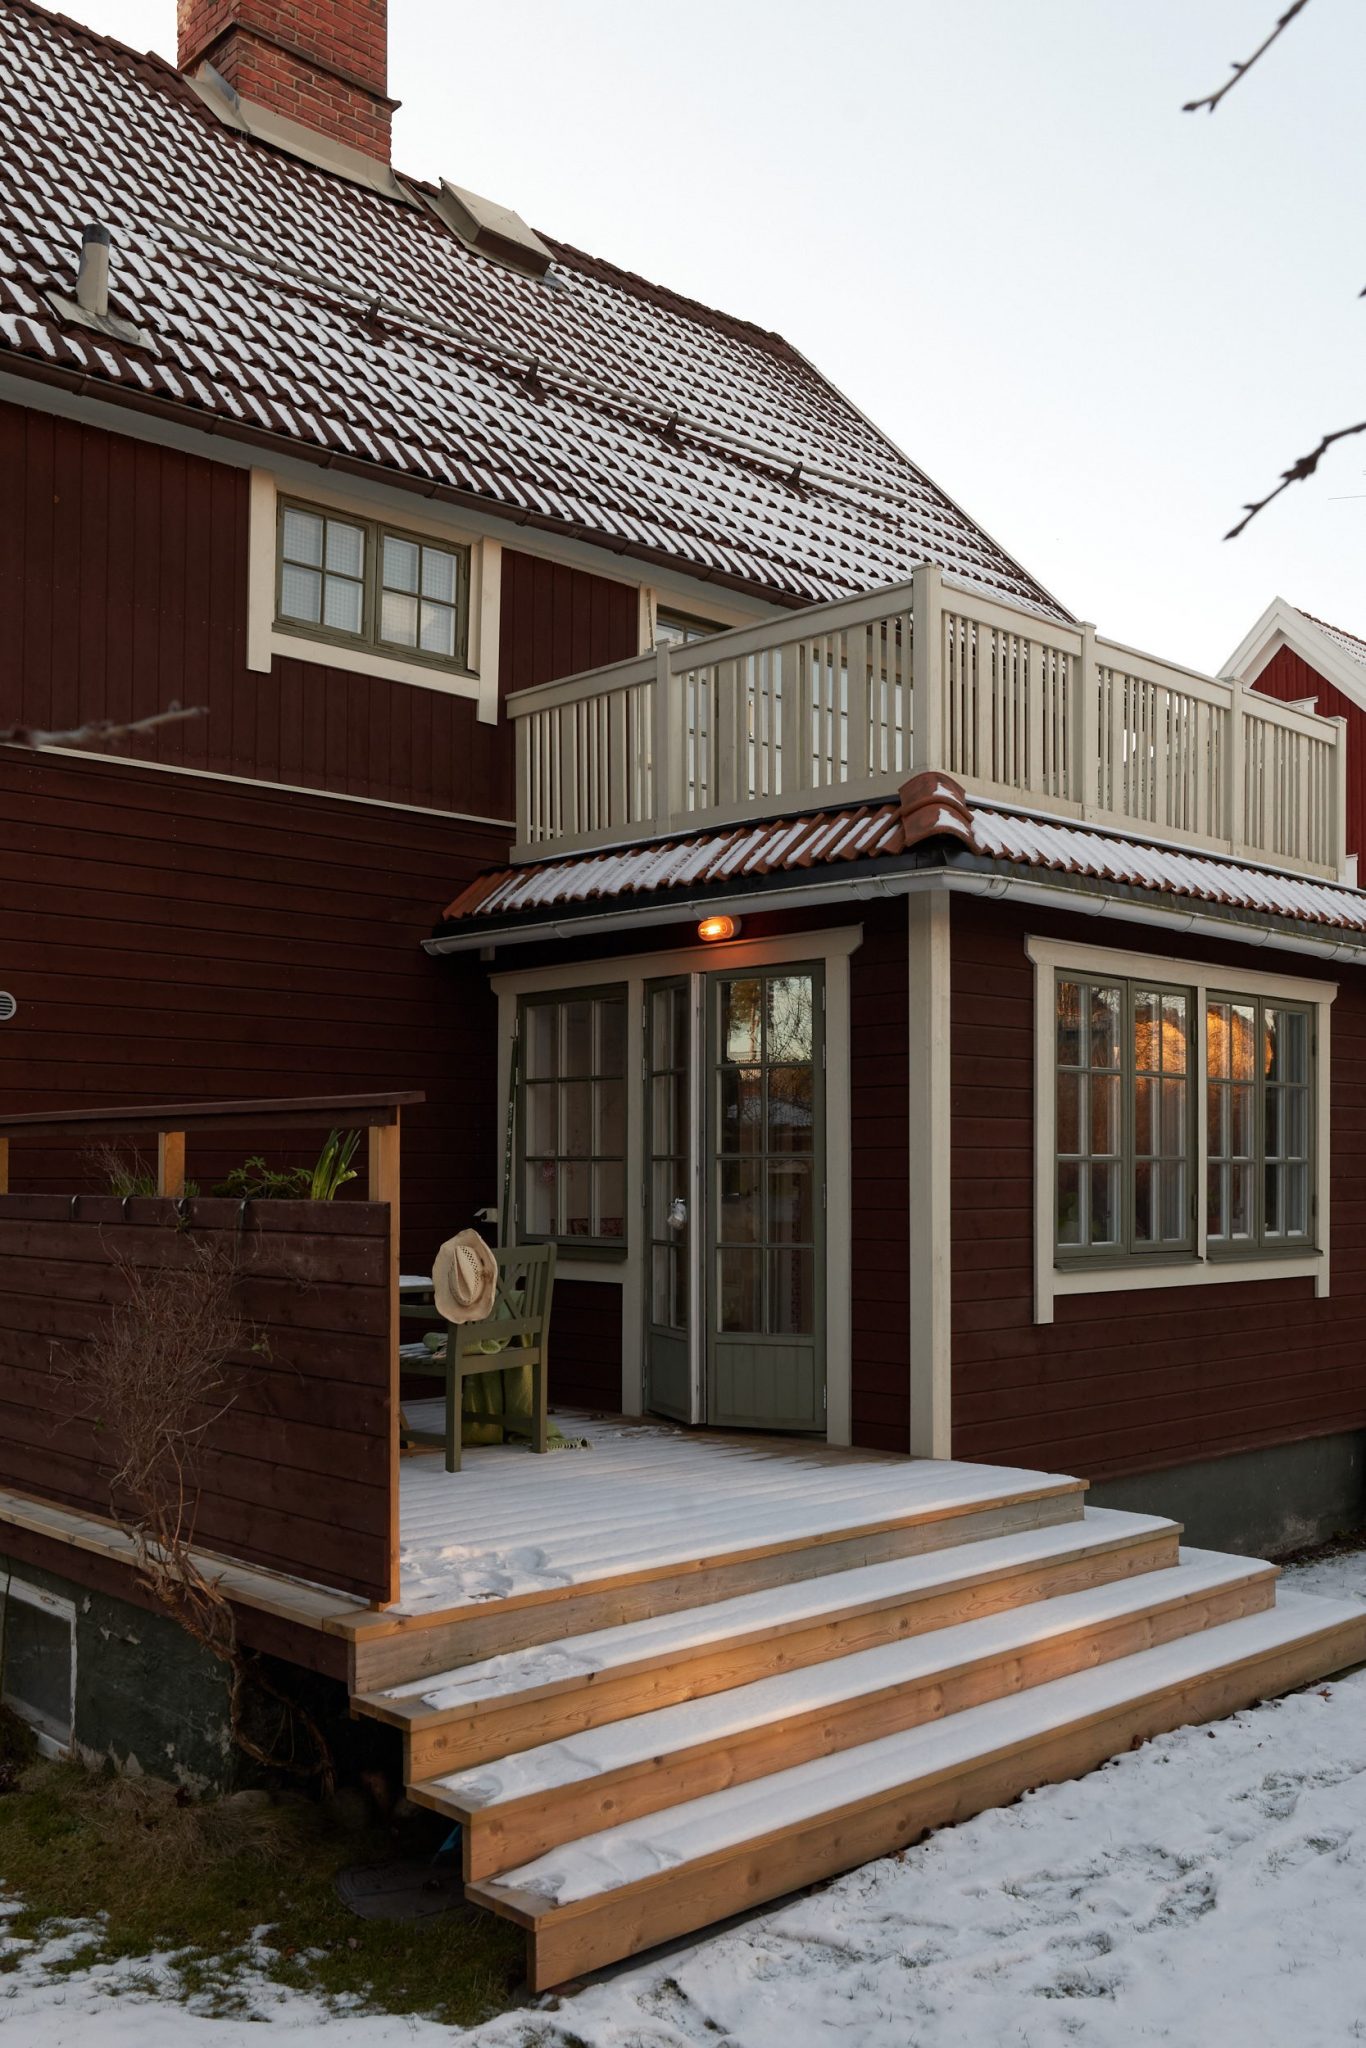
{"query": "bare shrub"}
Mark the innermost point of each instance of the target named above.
(161, 1372)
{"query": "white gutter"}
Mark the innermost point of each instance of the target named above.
(1005, 888)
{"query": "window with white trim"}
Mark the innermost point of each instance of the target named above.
(573, 1118)
(1137, 1063)
(363, 583)
(38, 1660)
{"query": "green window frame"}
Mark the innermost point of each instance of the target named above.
(571, 1118)
(364, 583)
(1124, 1130)
(1260, 1064)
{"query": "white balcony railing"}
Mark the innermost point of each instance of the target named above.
(843, 701)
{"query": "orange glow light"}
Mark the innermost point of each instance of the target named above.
(713, 928)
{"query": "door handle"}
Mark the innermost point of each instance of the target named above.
(678, 1213)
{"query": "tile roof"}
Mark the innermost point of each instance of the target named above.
(873, 832)
(1350, 643)
(284, 300)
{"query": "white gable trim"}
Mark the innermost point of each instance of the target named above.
(1281, 625)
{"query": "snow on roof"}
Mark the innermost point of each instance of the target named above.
(1349, 642)
(285, 300)
(823, 840)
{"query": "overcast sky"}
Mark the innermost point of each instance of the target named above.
(1099, 323)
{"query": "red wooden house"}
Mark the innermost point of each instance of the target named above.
(929, 1031)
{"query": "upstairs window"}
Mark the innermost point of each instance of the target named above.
(680, 629)
(364, 584)
(573, 1118)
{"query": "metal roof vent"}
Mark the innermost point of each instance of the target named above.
(496, 231)
(9, 1008)
(90, 307)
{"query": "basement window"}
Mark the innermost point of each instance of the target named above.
(38, 1660)
(359, 583)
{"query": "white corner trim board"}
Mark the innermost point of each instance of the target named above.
(833, 948)
(265, 640)
(1051, 1281)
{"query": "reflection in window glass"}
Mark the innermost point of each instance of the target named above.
(1258, 1123)
(573, 1117)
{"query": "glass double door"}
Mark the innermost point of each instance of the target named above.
(735, 1198)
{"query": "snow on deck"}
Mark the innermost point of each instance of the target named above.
(647, 1495)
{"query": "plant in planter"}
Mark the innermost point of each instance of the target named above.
(254, 1181)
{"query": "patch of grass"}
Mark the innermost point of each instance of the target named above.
(197, 1878)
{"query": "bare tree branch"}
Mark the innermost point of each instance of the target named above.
(99, 729)
(1297, 472)
(1212, 99)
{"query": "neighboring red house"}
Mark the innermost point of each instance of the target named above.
(922, 1024)
(1291, 655)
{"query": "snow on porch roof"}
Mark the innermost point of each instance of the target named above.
(929, 809)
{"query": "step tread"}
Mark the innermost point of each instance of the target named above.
(598, 1864)
(483, 1540)
(914, 1660)
(688, 1631)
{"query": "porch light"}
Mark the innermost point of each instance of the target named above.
(713, 928)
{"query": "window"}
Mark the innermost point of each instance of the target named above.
(366, 584)
(38, 1660)
(679, 629)
(1259, 1124)
(1127, 1149)
(1123, 1118)
(573, 1117)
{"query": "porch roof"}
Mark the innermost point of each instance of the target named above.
(929, 825)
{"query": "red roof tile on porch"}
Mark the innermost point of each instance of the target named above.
(826, 839)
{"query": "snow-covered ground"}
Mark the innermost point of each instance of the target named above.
(1207, 1889)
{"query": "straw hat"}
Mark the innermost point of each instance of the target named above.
(464, 1277)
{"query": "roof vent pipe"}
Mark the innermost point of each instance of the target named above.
(92, 279)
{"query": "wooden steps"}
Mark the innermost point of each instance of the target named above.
(935, 1508)
(735, 1673)
(614, 1892)
(529, 1803)
(479, 1712)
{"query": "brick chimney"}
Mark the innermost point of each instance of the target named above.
(323, 63)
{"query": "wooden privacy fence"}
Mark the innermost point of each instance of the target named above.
(299, 1474)
(840, 702)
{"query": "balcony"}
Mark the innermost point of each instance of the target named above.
(841, 702)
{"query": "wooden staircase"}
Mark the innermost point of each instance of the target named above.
(635, 1762)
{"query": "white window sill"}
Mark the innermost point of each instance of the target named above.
(1190, 1273)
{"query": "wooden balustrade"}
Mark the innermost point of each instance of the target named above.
(840, 702)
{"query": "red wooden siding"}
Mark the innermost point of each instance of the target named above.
(1290, 678)
(1123, 1383)
(880, 1262)
(557, 621)
(296, 1474)
(170, 939)
(123, 584)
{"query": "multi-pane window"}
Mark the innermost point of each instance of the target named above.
(1123, 1117)
(573, 1117)
(356, 581)
(1127, 1145)
(680, 629)
(1258, 1123)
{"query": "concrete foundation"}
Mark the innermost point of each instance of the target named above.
(1260, 1503)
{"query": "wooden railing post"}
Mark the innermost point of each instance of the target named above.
(1234, 818)
(383, 1177)
(1337, 844)
(1086, 778)
(170, 1162)
(661, 740)
(927, 667)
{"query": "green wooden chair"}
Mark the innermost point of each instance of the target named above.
(519, 1325)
